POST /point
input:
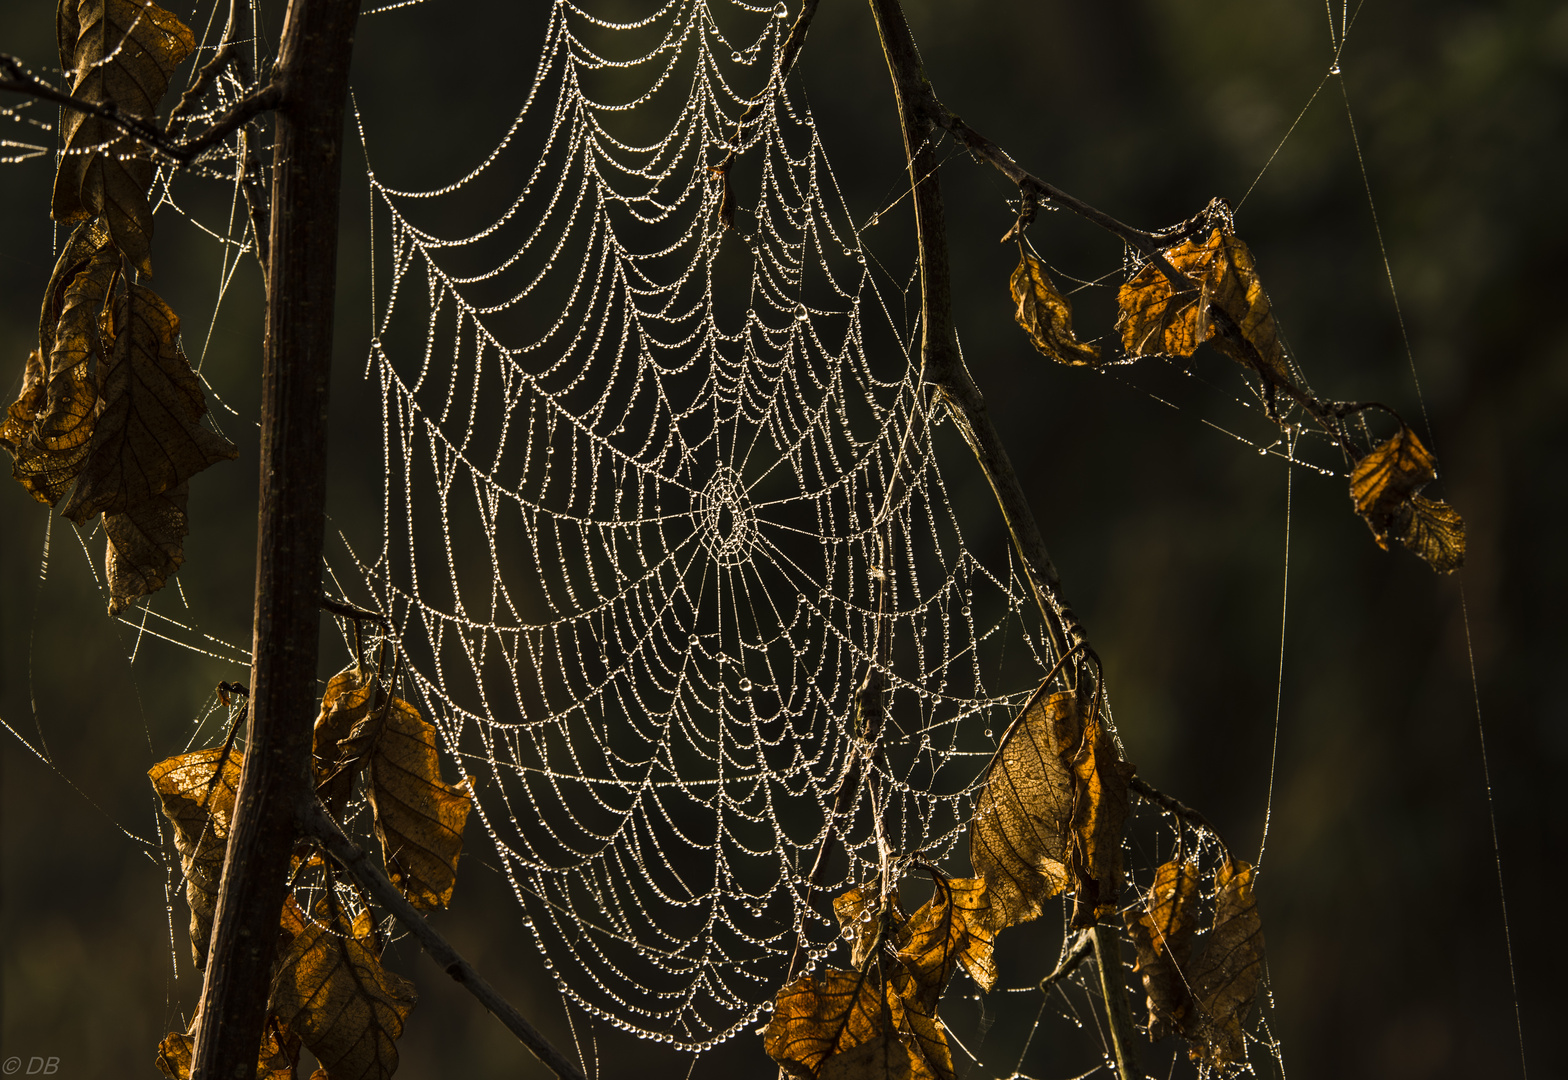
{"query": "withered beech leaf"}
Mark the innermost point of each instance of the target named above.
(199, 808)
(1225, 979)
(419, 817)
(849, 1025)
(952, 928)
(1046, 315)
(859, 914)
(148, 438)
(1100, 779)
(124, 55)
(1384, 486)
(332, 992)
(347, 701)
(1436, 532)
(277, 1058)
(1163, 930)
(146, 546)
(1154, 318)
(1020, 836)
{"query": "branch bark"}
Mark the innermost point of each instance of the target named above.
(275, 785)
(363, 869)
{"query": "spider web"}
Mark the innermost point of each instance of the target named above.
(638, 549)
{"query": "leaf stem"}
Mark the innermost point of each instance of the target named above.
(1138, 786)
(1108, 958)
(359, 865)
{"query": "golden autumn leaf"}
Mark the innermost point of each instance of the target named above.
(419, 817)
(1046, 315)
(849, 1025)
(1384, 486)
(277, 1058)
(146, 546)
(55, 441)
(148, 439)
(1227, 307)
(1225, 979)
(199, 802)
(124, 53)
(952, 928)
(859, 914)
(332, 992)
(17, 424)
(1100, 779)
(1163, 931)
(345, 703)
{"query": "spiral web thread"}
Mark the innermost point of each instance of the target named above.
(632, 548)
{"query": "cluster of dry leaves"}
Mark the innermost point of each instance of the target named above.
(329, 991)
(109, 402)
(1049, 820)
(1206, 289)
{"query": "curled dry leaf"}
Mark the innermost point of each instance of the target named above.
(419, 817)
(277, 1059)
(1163, 930)
(849, 1025)
(146, 546)
(148, 438)
(1046, 315)
(333, 993)
(198, 800)
(859, 914)
(1227, 306)
(952, 928)
(1051, 813)
(1384, 486)
(120, 53)
(345, 704)
(1225, 979)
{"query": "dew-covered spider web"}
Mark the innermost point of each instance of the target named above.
(640, 517)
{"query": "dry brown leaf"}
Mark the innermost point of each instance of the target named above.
(147, 439)
(1163, 930)
(276, 1060)
(347, 701)
(1021, 833)
(848, 1025)
(1225, 979)
(123, 55)
(1046, 315)
(200, 810)
(1100, 779)
(1227, 306)
(952, 928)
(859, 914)
(17, 425)
(419, 817)
(332, 992)
(1436, 532)
(146, 546)
(1383, 481)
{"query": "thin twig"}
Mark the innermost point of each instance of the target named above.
(319, 825)
(358, 614)
(22, 81)
(1138, 786)
(1108, 958)
(1079, 951)
(212, 68)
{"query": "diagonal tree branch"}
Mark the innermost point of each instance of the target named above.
(363, 869)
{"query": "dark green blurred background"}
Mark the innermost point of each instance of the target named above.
(1379, 890)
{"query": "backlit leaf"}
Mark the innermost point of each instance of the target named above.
(849, 1025)
(419, 817)
(1436, 532)
(276, 1060)
(347, 701)
(17, 425)
(146, 546)
(1021, 834)
(1100, 780)
(952, 928)
(1227, 306)
(332, 992)
(148, 439)
(199, 807)
(1046, 315)
(1225, 979)
(1384, 486)
(1163, 930)
(124, 55)
(859, 914)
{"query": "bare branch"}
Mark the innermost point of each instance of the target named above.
(319, 825)
(1142, 788)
